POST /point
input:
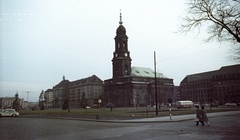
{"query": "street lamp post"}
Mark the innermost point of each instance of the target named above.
(28, 95)
(28, 99)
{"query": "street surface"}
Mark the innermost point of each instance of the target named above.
(221, 128)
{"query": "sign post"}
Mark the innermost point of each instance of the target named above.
(170, 108)
(99, 102)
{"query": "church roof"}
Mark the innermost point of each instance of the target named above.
(121, 30)
(145, 72)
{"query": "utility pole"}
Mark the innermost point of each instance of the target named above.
(155, 84)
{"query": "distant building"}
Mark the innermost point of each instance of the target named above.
(49, 98)
(79, 93)
(133, 86)
(222, 85)
(176, 94)
(7, 102)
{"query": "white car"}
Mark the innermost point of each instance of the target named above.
(230, 104)
(9, 113)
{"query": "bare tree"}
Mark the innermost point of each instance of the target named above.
(221, 16)
(41, 100)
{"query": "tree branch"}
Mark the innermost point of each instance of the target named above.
(223, 16)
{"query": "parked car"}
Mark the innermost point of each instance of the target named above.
(230, 104)
(87, 107)
(9, 113)
(195, 104)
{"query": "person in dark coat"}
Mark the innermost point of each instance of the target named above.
(204, 116)
(198, 116)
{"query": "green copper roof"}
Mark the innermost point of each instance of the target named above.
(145, 72)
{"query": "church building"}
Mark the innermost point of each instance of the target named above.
(133, 86)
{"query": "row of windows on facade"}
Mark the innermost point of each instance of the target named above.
(196, 83)
(198, 96)
(87, 96)
(97, 89)
(80, 83)
(8, 103)
(219, 84)
(196, 86)
(226, 91)
(82, 89)
(224, 76)
(218, 88)
(217, 77)
(79, 95)
(209, 87)
(227, 88)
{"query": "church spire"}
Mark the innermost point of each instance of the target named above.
(120, 22)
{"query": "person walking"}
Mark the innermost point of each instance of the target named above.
(204, 116)
(198, 116)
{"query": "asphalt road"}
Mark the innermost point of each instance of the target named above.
(221, 128)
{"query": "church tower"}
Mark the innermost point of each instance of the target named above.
(121, 56)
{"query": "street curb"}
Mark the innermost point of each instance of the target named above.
(163, 119)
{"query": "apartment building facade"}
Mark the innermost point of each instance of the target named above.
(221, 85)
(79, 93)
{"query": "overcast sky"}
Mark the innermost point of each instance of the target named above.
(42, 40)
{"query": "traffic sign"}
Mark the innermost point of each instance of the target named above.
(99, 101)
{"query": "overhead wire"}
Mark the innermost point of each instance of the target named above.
(167, 58)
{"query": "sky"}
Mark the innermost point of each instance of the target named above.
(42, 40)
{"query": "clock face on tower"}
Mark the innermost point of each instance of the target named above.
(126, 54)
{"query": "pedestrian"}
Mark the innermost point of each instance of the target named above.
(198, 116)
(204, 116)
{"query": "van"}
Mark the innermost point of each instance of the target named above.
(184, 104)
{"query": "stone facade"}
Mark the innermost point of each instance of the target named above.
(222, 85)
(7, 102)
(133, 86)
(133, 91)
(49, 98)
(79, 93)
